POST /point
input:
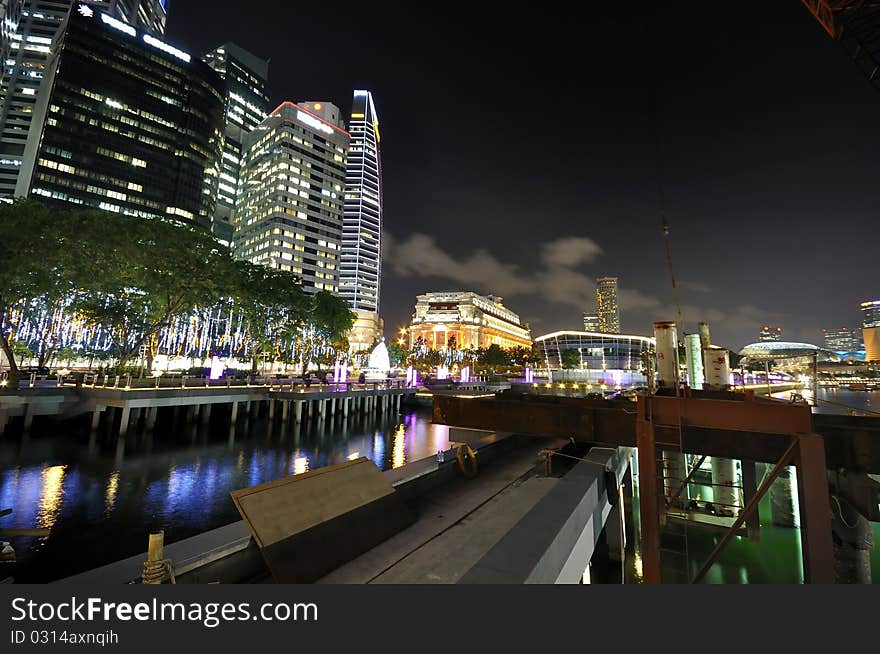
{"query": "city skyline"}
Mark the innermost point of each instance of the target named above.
(462, 198)
(463, 210)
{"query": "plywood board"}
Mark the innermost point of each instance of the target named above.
(308, 524)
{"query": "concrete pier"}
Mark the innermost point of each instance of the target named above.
(152, 413)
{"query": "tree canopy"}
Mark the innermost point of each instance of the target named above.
(125, 281)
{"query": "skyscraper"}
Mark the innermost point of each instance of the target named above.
(10, 15)
(360, 267)
(871, 329)
(289, 211)
(125, 122)
(245, 76)
(842, 339)
(25, 65)
(870, 313)
(770, 333)
(606, 299)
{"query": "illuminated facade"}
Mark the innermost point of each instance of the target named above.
(770, 333)
(126, 123)
(611, 359)
(591, 322)
(606, 299)
(871, 336)
(10, 16)
(366, 331)
(361, 263)
(290, 203)
(245, 76)
(870, 313)
(842, 339)
(787, 354)
(27, 59)
(473, 320)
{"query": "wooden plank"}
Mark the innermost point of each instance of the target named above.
(311, 523)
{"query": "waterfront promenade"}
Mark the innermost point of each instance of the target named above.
(129, 402)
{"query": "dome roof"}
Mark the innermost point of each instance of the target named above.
(786, 350)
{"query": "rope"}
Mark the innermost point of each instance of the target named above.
(840, 511)
(156, 571)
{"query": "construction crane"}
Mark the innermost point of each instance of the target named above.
(855, 24)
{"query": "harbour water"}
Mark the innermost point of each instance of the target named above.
(841, 401)
(99, 509)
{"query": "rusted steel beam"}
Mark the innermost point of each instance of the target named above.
(815, 510)
(750, 416)
(596, 421)
(649, 507)
(851, 442)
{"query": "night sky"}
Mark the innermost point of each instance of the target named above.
(526, 153)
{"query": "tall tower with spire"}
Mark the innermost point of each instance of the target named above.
(360, 269)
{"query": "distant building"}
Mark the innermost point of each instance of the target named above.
(473, 320)
(770, 333)
(606, 300)
(246, 104)
(786, 354)
(842, 339)
(125, 122)
(288, 214)
(591, 322)
(26, 58)
(872, 343)
(610, 359)
(870, 313)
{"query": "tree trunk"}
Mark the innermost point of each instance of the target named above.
(10, 355)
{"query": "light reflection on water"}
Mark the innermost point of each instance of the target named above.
(100, 510)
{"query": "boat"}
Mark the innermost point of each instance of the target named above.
(858, 387)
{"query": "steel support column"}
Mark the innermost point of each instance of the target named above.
(649, 507)
(815, 510)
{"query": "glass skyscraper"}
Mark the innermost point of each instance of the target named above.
(288, 214)
(125, 122)
(25, 65)
(361, 263)
(245, 76)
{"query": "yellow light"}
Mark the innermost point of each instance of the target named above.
(589, 387)
(534, 386)
(317, 105)
(357, 115)
(51, 496)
